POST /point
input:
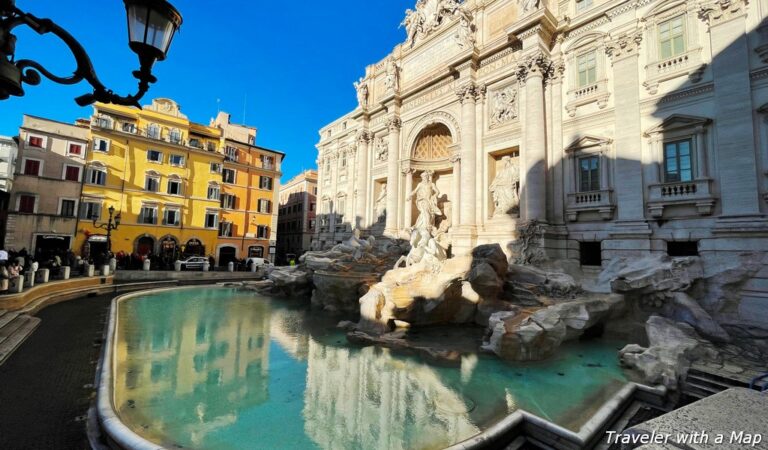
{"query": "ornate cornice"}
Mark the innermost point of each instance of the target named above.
(624, 45)
(720, 11)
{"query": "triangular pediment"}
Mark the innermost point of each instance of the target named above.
(678, 121)
(587, 141)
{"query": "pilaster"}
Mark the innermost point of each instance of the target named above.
(393, 175)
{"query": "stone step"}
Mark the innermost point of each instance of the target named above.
(700, 388)
(8, 346)
(730, 379)
(6, 318)
(709, 382)
(2, 312)
(10, 328)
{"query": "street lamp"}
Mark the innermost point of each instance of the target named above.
(109, 226)
(151, 27)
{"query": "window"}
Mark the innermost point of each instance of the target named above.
(211, 219)
(75, 149)
(312, 223)
(589, 174)
(265, 183)
(153, 131)
(148, 215)
(174, 186)
(129, 128)
(36, 141)
(228, 201)
(265, 206)
(154, 156)
(213, 192)
(103, 122)
(171, 217)
(67, 208)
(344, 160)
(672, 37)
(96, 175)
(587, 64)
(677, 161)
(176, 160)
(195, 142)
(229, 176)
(267, 162)
(71, 173)
(101, 145)
(152, 183)
(215, 168)
(590, 254)
(90, 210)
(230, 154)
(683, 248)
(262, 232)
(32, 167)
(314, 190)
(27, 204)
(175, 136)
(583, 5)
(341, 206)
(225, 229)
(256, 252)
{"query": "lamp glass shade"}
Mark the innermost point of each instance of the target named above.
(151, 27)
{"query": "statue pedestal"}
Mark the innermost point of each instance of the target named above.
(464, 239)
(500, 230)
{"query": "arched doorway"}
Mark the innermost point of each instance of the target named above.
(194, 247)
(169, 251)
(227, 255)
(255, 251)
(145, 245)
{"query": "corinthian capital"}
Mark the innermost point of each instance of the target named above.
(455, 157)
(363, 137)
(394, 124)
(480, 92)
(467, 92)
(623, 45)
(535, 64)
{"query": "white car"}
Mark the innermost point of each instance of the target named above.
(193, 263)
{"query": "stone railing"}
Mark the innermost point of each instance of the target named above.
(600, 202)
(688, 63)
(697, 193)
(596, 92)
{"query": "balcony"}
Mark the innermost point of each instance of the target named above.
(593, 93)
(686, 64)
(697, 193)
(600, 202)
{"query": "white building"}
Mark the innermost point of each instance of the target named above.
(8, 152)
(636, 126)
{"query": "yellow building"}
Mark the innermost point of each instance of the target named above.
(164, 175)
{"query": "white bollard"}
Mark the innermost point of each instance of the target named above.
(254, 267)
(90, 270)
(177, 266)
(66, 272)
(206, 266)
(230, 267)
(105, 270)
(43, 275)
(147, 264)
(30, 279)
(112, 265)
(18, 287)
(4, 284)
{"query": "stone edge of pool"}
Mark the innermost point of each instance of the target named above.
(117, 435)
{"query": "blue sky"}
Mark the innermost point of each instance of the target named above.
(294, 62)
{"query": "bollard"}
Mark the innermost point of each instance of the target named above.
(147, 264)
(112, 265)
(43, 275)
(90, 270)
(230, 267)
(177, 266)
(18, 286)
(66, 272)
(105, 270)
(206, 266)
(254, 267)
(29, 279)
(4, 284)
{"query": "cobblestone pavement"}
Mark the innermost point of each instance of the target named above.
(46, 384)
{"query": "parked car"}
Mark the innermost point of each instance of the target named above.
(258, 262)
(193, 263)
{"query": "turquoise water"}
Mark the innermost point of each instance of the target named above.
(224, 369)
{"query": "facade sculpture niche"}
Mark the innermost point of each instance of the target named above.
(505, 187)
(381, 204)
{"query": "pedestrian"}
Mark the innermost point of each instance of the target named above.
(3, 257)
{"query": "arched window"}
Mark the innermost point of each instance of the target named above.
(153, 131)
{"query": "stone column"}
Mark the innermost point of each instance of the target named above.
(468, 201)
(531, 73)
(735, 146)
(408, 213)
(456, 190)
(393, 175)
(559, 158)
(480, 178)
(363, 138)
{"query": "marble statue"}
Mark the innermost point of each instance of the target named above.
(426, 194)
(465, 36)
(529, 5)
(504, 106)
(504, 187)
(430, 15)
(361, 86)
(392, 80)
(381, 204)
(382, 150)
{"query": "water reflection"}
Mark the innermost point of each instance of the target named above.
(219, 369)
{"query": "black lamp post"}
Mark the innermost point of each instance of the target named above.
(151, 27)
(109, 226)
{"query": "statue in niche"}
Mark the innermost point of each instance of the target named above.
(465, 36)
(392, 80)
(504, 106)
(381, 204)
(529, 5)
(426, 193)
(504, 188)
(361, 86)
